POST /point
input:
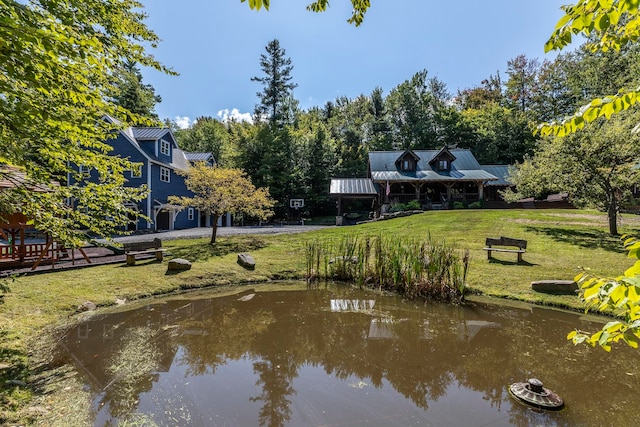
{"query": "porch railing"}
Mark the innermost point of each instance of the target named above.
(31, 250)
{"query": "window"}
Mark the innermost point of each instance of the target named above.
(165, 175)
(164, 147)
(84, 170)
(136, 172)
(443, 165)
(406, 165)
(190, 214)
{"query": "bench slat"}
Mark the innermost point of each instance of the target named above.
(520, 251)
(505, 241)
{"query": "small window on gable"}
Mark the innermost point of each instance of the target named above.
(408, 165)
(191, 214)
(165, 175)
(443, 165)
(164, 147)
(84, 170)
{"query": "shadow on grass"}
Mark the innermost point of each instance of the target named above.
(585, 238)
(223, 247)
(502, 262)
(13, 365)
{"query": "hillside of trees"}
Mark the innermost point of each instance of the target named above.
(295, 152)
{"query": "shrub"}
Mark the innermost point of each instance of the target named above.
(458, 205)
(413, 205)
(475, 205)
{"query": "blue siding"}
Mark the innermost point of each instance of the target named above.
(159, 190)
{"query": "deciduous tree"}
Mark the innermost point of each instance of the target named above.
(609, 25)
(597, 166)
(56, 63)
(220, 190)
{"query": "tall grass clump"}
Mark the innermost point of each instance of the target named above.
(427, 269)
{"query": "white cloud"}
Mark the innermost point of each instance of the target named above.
(182, 122)
(235, 114)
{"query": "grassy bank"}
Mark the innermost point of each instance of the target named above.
(558, 243)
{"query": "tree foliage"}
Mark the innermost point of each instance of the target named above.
(617, 295)
(133, 95)
(276, 98)
(597, 166)
(56, 63)
(360, 7)
(609, 25)
(221, 190)
(208, 135)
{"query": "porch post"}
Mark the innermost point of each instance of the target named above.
(480, 191)
(418, 187)
(449, 187)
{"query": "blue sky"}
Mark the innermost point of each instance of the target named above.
(216, 45)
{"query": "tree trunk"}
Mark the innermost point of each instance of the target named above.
(612, 213)
(214, 228)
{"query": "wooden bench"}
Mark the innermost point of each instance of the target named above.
(133, 249)
(505, 241)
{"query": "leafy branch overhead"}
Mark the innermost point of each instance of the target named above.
(608, 25)
(620, 296)
(57, 66)
(360, 8)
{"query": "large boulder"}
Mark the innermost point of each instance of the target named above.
(246, 261)
(179, 264)
(560, 287)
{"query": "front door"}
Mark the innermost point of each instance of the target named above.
(162, 220)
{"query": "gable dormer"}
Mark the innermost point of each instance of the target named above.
(407, 162)
(158, 142)
(442, 160)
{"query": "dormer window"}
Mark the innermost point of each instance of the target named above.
(164, 147)
(407, 162)
(442, 160)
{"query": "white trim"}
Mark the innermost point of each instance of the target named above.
(150, 221)
(167, 174)
(165, 147)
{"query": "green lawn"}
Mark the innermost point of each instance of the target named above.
(559, 241)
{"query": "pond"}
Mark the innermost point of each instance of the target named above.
(339, 356)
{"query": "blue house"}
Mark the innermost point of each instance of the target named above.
(161, 160)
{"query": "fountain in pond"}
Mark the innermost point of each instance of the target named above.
(534, 394)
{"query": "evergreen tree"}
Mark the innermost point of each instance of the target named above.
(133, 95)
(276, 82)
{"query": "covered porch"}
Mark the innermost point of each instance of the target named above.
(433, 194)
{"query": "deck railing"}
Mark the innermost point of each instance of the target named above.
(30, 251)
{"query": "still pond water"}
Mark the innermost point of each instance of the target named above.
(337, 356)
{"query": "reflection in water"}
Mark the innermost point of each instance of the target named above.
(340, 356)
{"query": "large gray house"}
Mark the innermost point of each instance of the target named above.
(435, 178)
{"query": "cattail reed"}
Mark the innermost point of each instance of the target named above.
(415, 268)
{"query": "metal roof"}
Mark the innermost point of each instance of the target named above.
(199, 157)
(149, 133)
(501, 172)
(465, 167)
(351, 186)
